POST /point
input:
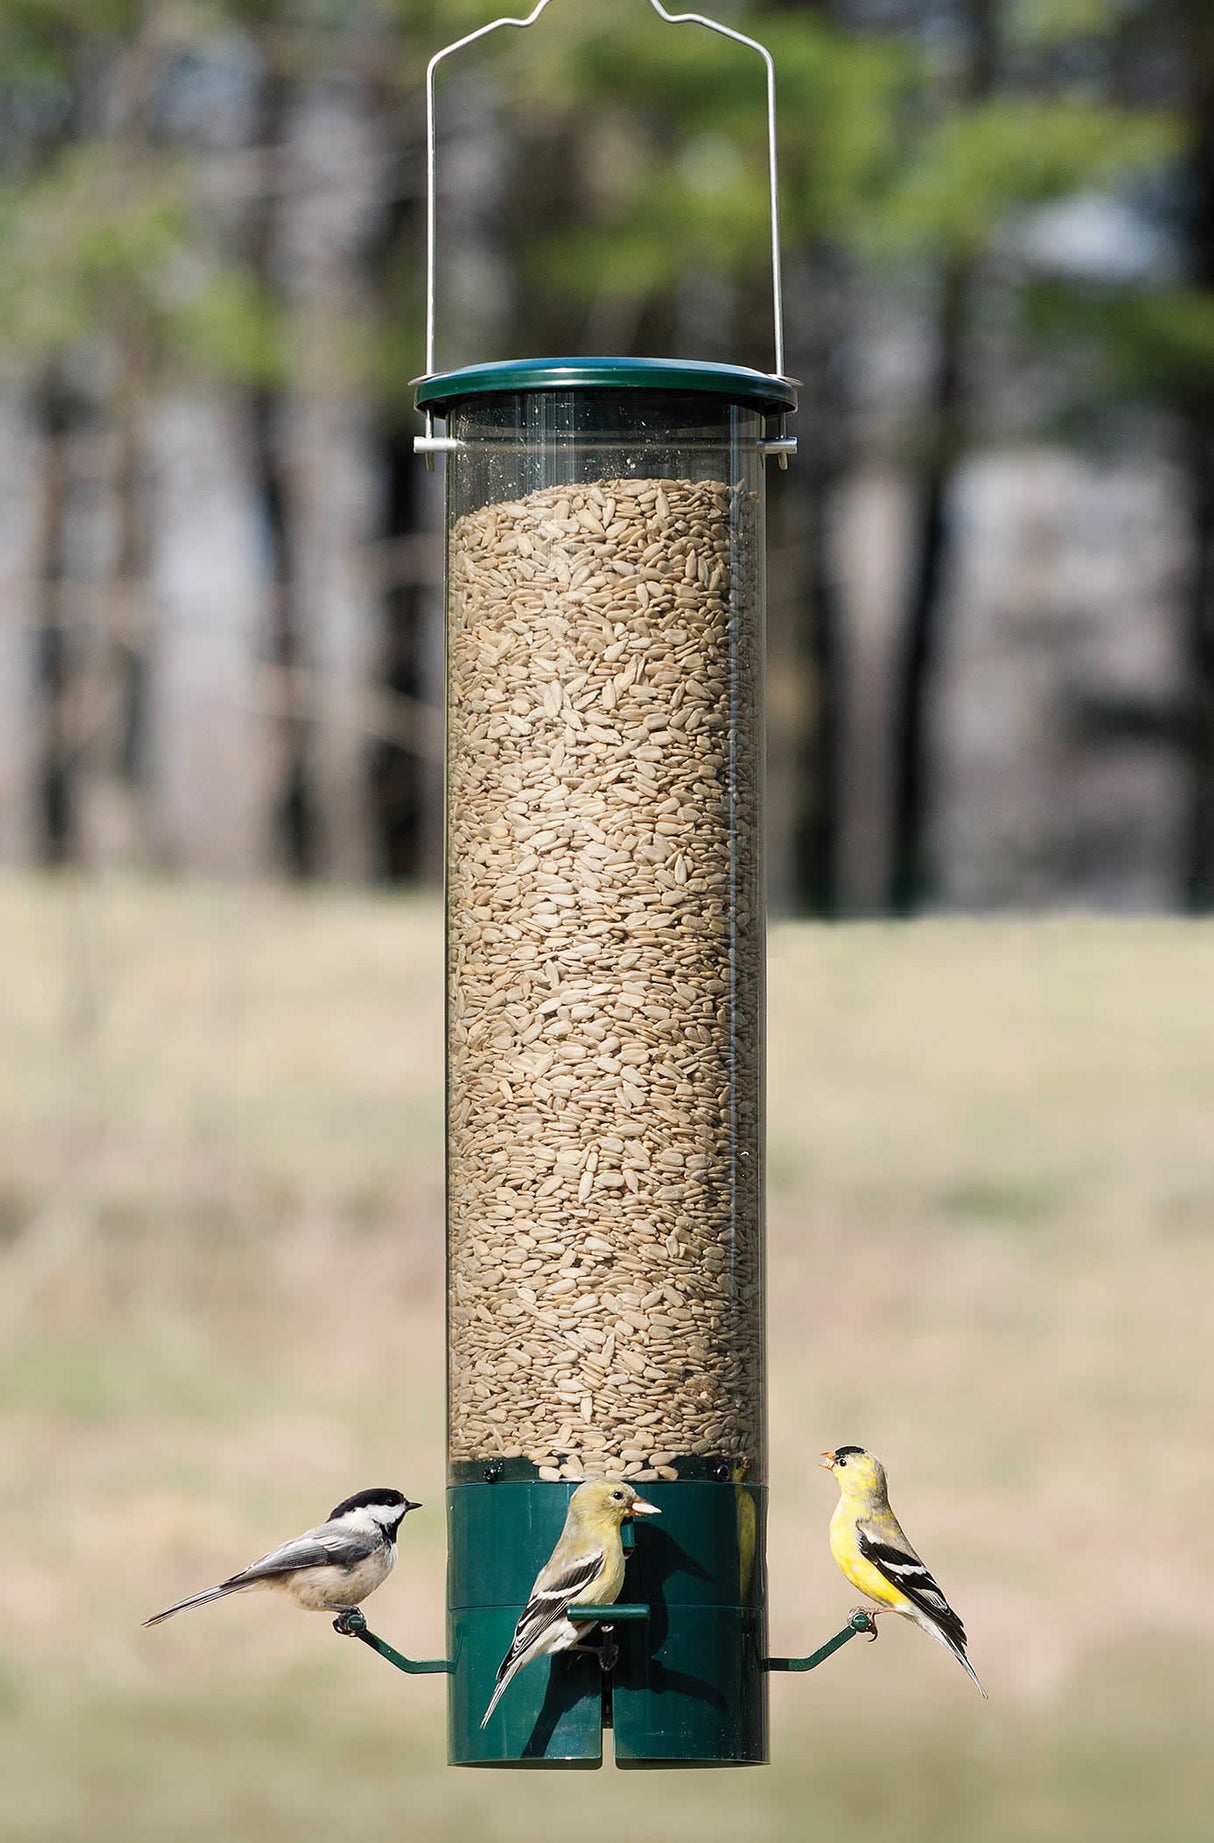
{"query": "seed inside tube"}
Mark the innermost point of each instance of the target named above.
(604, 953)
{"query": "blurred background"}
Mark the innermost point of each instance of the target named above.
(992, 612)
(991, 708)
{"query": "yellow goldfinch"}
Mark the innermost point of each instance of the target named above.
(866, 1540)
(587, 1565)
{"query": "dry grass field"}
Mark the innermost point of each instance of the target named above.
(992, 1191)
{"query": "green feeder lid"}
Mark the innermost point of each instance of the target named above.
(737, 382)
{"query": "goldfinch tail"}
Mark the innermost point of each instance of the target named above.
(962, 1659)
(498, 1693)
(950, 1644)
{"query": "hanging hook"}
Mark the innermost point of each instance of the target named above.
(671, 19)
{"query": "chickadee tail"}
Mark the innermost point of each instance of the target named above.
(195, 1599)
(958, 1651)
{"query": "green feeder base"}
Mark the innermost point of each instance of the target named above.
(685, 1683)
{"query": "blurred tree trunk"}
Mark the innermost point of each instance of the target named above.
(55, 412)
(479, 238)
(211, 773)
(407, 757)
(94, 652)
(113, 823)
(816, 309)
(19, 589)
(817, 277)
(945, 418)
(333, 506)
(292, 807)
(1199, 462)
(406, 794)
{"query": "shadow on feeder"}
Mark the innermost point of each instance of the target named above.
(664, 1559)
(568, 1682)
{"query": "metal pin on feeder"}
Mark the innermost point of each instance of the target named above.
(605, 940)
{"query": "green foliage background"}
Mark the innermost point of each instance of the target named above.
(107, 231)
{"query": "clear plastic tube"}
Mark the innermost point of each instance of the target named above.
(605, 934)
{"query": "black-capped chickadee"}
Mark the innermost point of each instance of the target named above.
(329, 1569)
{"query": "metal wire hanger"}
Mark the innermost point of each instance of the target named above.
(672, 19)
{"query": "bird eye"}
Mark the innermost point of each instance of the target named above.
(618, 1496)
(840, 1462)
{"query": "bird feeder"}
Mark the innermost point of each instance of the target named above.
(605, 963)
(605, 977)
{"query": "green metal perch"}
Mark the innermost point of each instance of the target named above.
(860, 1621)
(353, 1625)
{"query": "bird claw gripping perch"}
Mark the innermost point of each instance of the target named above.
(868, 1622)
(607, 1653)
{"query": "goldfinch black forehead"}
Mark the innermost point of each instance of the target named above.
(846, 1452)
(383, 1499)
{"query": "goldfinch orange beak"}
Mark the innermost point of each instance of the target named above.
(828, 1462)
(641, 1509)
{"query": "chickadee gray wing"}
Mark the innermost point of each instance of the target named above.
(326, 1547)
(330, 1545)
(357, 1540)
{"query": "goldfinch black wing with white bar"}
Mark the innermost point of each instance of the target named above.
(587, 1564)
(909, 1576)
(548, 1604)
(542, 1624)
